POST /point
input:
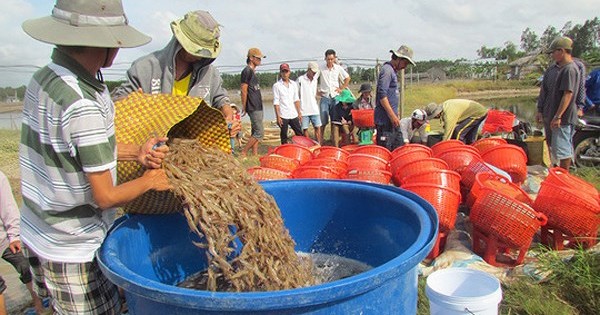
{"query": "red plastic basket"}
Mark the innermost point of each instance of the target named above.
(332, 152)
(374, 150)
(484, 144)
(459, 157)
(410, 147)
(418, 166)
(338, 166)
(498, 121)
(320, 172)
(512, 222)
(350, 147)
(443, 199)
(444, 145)
(294, 151)
(570, 211)
(509, 158)
(366, 161)
(265, 173)
(407, 156)
(279, 162)
(498, 183)
(467, 176)
(560, 177)
(373, 176)
(446, 178)
(363, 117)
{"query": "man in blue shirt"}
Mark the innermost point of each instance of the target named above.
(592, 92)
(387, 97)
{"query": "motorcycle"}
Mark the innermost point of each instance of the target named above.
(586, 141)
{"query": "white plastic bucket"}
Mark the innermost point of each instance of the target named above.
(463, 291)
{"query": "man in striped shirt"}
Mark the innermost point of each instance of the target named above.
(68, 154)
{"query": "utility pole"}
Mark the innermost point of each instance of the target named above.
(401, 87)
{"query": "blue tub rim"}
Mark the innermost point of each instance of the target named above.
(325, 293)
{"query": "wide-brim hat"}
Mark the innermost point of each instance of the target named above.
(86, 23)
(433, 109)
(404, 52)
(345, 97)
(198, 33)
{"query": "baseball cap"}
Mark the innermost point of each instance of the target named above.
(255, 52)
(284, 66)
(561, 42)
(404, 52)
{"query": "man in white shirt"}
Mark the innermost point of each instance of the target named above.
(308, 100)
(287, 104)
(415, 124)
(334, 79)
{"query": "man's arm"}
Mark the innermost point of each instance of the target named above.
(564, 103)
(146, 154)
(244, 96)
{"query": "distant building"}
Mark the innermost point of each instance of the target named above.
(12, 98)
(523, 66)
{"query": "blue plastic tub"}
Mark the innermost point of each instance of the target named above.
(387, 228)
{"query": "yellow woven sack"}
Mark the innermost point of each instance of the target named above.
(140, 116)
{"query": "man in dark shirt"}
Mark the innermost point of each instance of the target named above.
(252, 99)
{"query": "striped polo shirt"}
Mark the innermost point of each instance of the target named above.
(67, 131)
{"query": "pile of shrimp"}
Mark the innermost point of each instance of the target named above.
(224, 204)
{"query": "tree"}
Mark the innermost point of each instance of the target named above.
(529, 41)
(548, 36)
(488, 52)
(585, 37)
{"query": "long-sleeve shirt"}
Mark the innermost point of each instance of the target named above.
(457, 110)
(9, 214)
(285, 95)
(387, 86)
(592, 88)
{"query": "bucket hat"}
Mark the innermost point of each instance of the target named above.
(86, 23)
(345, 97)
(561, 42)
(365, 87)
(404, 52)
(198, 33)
(433, 109)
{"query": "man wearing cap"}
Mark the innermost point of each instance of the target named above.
(307, 86)
(287, 104)
(387, 98)
(460, 118)
(68, 155)
(334, 79)
(252, 99)
(364, 100)
(413, 125)
(559, 109)
(184, 66)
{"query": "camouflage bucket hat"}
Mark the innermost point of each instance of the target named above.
(198, 33)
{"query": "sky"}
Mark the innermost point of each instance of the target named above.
(359, 31)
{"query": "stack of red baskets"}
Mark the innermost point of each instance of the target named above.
(417, 166)
(369, 163)
(459, 157)
(571, 205)
(499, 184)
(265, 173)
(509, 158)
(406, 154)
(484, 144)
(445, 145)
(502, 224)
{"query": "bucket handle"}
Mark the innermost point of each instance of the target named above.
(542, 218)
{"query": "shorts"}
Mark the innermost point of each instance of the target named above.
(562, 143)
(75, 288)
(20, 263)
(326, 104)
(314, 119)
(256, 123)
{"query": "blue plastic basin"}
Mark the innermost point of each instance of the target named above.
(390, 229)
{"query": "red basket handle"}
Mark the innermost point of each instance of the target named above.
(542, 218)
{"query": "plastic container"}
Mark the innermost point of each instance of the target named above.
(509, 158)
(444, 145)
(484, 144)
(410, 147)
(338, 166)
(147, 254)
(332, 152)
(446, 178)
(459, 291)
(498, 121)
(265, 173)
(279, 162)
(294, 151)
(499, 184)
(560, 177)
(372, 176)
(374, 150)
(367, 161)
(350, 147)
(305, 142)
(445, 201)
(459, 157)
(417, 166)
(322, 172)
(407, 156)
(363, 118)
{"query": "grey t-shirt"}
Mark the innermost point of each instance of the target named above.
(567, 80)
